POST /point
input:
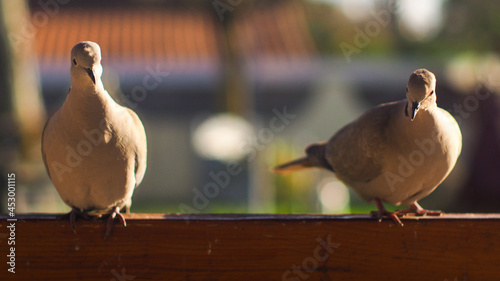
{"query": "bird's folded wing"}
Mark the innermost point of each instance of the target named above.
(139, 141)
(452, 130)
(44, 157)
(356, 152)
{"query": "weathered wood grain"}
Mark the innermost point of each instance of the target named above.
(256, 247)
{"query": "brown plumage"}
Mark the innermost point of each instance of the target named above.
(94, 149)
(397, 152)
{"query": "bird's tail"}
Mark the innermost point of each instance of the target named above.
(315, 157)
(294, 165)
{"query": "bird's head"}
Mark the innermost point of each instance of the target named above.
(86, 63)
(420, 92)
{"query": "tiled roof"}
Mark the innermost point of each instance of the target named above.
(270, 40)
(159, 33)
(273, 30)
(138, 34)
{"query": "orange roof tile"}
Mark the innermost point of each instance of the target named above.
(274, 30)
(135, 34)
(177, 35)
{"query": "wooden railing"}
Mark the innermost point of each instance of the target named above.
(253, 247)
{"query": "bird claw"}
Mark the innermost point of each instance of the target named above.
(72, 218)
(383, 212)
(416, 209)
(395, 218)
(115, 213)
(73, 214)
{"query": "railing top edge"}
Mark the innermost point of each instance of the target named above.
(250, 217)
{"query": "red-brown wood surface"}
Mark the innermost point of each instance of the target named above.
(255, 247)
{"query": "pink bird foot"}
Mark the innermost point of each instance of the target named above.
(383, 212)
(416, 209)
(115, 213)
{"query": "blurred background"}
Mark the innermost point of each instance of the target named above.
(227, 89)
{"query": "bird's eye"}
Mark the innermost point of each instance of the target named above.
(74, 61)
(432, 92)
(407, 89)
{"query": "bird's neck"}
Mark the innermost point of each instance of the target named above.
(89, 103)
(429, 103)
(425, 118)
(81, 85)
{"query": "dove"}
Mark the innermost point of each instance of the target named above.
(94, 150)
(396, 153)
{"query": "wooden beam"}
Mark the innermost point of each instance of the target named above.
(255, 247)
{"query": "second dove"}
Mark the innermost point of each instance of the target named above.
(366, 154)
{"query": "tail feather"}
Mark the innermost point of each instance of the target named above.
(295, 165)
(315, 158)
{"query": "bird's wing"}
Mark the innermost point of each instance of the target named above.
(44, 157)
(356, 152)
(140, 146)
(452, 130)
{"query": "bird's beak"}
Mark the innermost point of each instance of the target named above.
(414, 109)
(91, 74)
